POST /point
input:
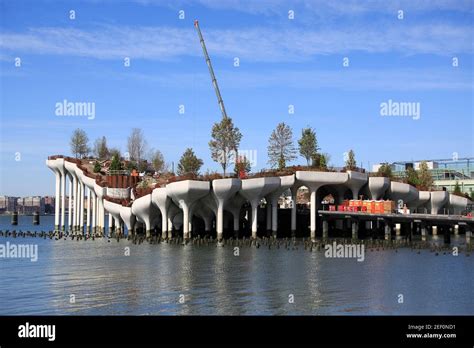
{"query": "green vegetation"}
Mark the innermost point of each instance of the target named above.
(225, 142)
(189, 163)
(308, 144)
(457, 189)
(351, 163)
(116, 164)
(385, 170)
(281, 148)
(424, 175)
(101, 151)
(97, 167)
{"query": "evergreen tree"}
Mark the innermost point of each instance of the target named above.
(189, 163)
(308, 144)
(225, 142)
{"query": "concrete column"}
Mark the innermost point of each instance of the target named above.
(236, 225)
(164, 224)
(69, 214)
(94, 212)
(254, 219)
(110, 227)
(423, 231)
(220, 222)
(293, 212)
(434, 230)
(170, 228)
(57, 201)
(63, 201)
(275, 217)
(88, 219)
(81, 209)
(325, 229)
(468, 236)
(355, 229)
(185, 208)
(313, 214)
(268, 208)
(101, 217)
(388, 231)
(74, 208)
(398, 228)
(456, 230)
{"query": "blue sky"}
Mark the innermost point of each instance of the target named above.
(282, 62)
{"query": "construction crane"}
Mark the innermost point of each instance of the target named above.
(211, 71)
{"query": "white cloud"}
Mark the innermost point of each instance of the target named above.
(251, 44)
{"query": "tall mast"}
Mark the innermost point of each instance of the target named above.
(211, 71)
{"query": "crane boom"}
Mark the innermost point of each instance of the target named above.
(211, 71)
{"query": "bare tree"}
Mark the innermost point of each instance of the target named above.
(79, 143)
(136, 145)
(101, 150)
(157, 160)
(281, 148)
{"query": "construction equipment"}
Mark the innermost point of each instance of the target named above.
(211, 71)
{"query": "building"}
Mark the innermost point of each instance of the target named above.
(445, 172)
(8, 204)
(30, 205)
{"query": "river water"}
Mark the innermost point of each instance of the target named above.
(98, 278)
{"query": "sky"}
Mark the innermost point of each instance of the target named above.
(334, 63)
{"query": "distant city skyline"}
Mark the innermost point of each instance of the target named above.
(339, 65)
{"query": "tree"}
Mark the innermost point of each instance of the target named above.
(113, 151)
(308, 144)
(323, 161)
(157, 160)
(225, 142)
(426, 180)
(281, 148)
(457, 189)
(97, 167)
(189, 163)
(412, 177)
(472, 196)
(116, 164)
(385, 170)
(136, 145)
(351, 163)
(79, 143)
(242, 165)
(101, 150)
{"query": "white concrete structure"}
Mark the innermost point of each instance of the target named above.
(175, 204)
(254, 190)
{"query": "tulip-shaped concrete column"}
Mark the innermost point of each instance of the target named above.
(457, 204)
(223, 190)
(185, 193)
(355, 182)
(146, 212)
(128, 219)
(377, 186)
(160, 199)
(254, 190)
(52, 165)
(314, 180)
(63, 194)
(423, 198)
(233, 205)
(69, 211)
(402, 193)
(294, 197)
(114, 213)
(173, 210)
(286, 182)
(438, 200)
(100, 193)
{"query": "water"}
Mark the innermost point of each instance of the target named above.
(213, 281)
